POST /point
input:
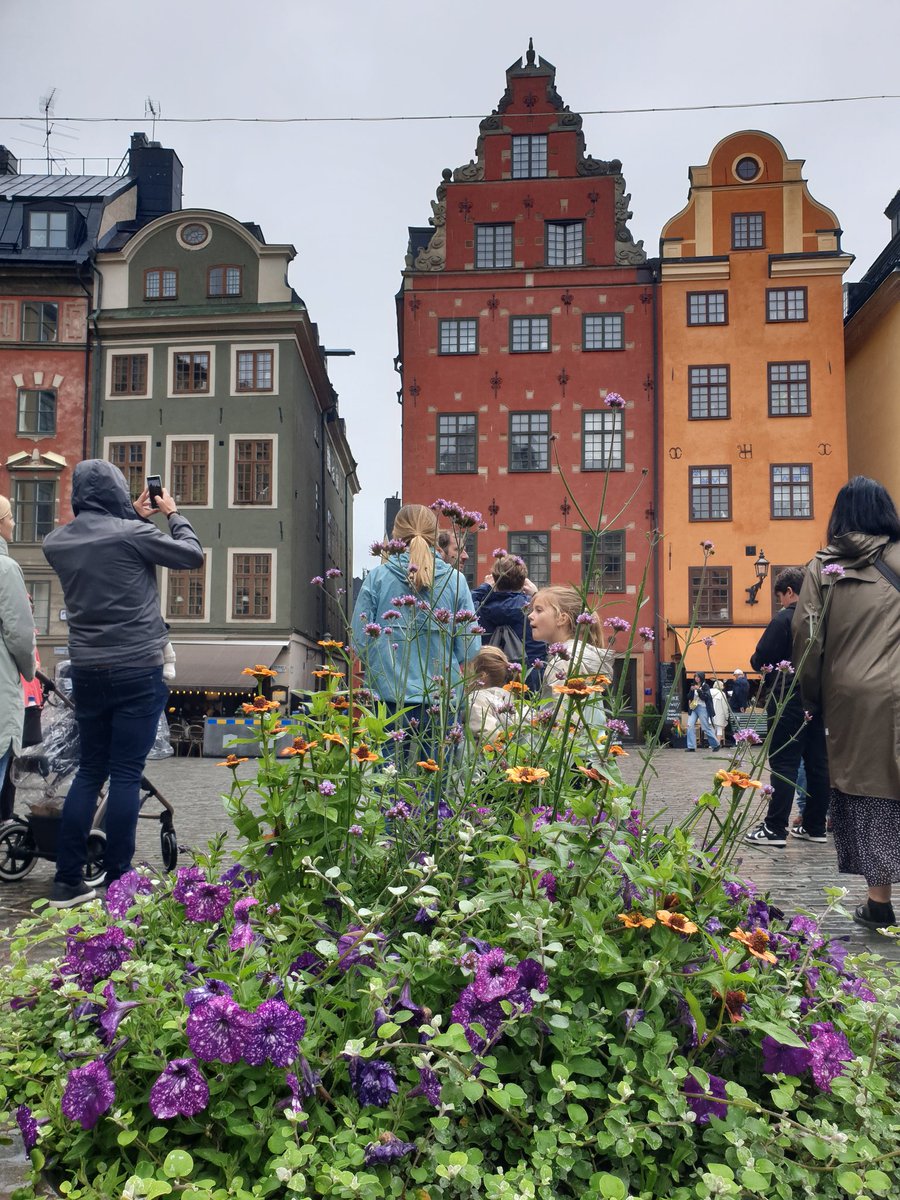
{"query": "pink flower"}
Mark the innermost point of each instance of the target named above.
(614, 400)
(834, 570)
(708, 642)
(646, 633)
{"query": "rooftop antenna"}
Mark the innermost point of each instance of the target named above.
(46, 103)
(154, 111)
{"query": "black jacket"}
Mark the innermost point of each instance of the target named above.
(704, 695)
(740, 693)
(776, 645)
(494, 609)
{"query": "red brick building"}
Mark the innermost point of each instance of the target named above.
(524, 303)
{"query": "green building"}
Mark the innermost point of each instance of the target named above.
(209, 372)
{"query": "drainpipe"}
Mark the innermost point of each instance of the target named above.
(92, 365)
(656, 284)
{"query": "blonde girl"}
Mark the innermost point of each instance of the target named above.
(574, 643)
(489, 704)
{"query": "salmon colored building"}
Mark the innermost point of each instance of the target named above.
(524, 304)
(753, 441)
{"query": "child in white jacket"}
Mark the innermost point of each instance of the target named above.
(489, 705)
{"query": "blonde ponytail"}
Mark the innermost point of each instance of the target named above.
(418, 527)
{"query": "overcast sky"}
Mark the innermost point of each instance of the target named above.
(344, 194)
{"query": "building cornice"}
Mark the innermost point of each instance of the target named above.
(781, 265)
(694, 268)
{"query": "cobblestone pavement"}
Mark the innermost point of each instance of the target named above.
(793, 877)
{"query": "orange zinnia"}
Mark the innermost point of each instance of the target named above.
(738, 779)
(333, 737)
(756, 942)
(527, 774)
(514, 686)
(592, 773)
(635, 920)
(259, 672)
(734, 1003)
(676, 921)
(260, 705)
(339, 703)
(331, 644)
(231, 761)
(300, 746)
(328, 673)
(576, 686)
(428, 764)
(363, 754)
(617, 752)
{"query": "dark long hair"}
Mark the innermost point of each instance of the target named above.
(864, 506)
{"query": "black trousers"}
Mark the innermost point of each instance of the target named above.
(794, 738)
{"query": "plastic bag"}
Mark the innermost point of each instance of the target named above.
(162, 747)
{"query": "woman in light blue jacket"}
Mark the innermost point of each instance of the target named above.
(413, 626)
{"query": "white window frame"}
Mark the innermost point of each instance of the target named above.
(229, 583)
(243, 347)
(207, 597)
(121, 352)
(209, 438)
(252, 437)
(190, 348)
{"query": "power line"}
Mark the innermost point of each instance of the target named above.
(595, 112)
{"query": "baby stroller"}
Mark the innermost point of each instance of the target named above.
(41, 775)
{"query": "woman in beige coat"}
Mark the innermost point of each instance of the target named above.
(16, 644)
(847, 623)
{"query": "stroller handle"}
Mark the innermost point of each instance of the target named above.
(50, 688)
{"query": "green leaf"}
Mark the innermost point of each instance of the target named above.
(178, 1164)
(579, 1117)
(878, 1182)
(753, 1179)
(156, 1134)
(781, 1033)
(387, 1029)
(126, 1137)
(611, 1187)
(472, 1090)
(850, 1182)
(696, 1012)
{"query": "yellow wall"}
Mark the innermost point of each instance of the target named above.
(873, 388)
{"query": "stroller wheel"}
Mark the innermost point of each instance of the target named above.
(95, 866)
(169, 844)
(17, 851)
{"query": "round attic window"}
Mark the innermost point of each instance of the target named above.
(747, 169)
(193, 234)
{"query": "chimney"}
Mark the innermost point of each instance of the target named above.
(158, 173)
(892, 212)
(9, 164)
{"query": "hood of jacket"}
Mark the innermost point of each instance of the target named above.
(853, 550)
(98, 486)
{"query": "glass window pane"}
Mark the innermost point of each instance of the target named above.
(604, 331)
(603, 441)
(534, 550)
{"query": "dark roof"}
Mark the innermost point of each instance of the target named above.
(63, 187)
(419, 237)
(887, 262)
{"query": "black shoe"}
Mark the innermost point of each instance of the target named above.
(882, 915)
(689, 750)
(801, 832)
(66, 895)
(762, 835)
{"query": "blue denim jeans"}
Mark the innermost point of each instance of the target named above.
(700, 714)
(117, 710)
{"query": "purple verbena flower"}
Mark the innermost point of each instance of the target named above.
(708, 642)
(373, 1081)
(707, 546)
(274, 1034)
(747, 737)
(442, 615)
(619, 624)
(88, 1094)
(390, 614)
(317, 580)
(706, 1102)
(463, 615)
(207, 902)
(333, 573)
(646, 633)
(180, 1091)
(785, 666)
(779, 1059)
(327, 788)
(355, 830)
(713, 925)
(559, 649)
(373, 629)
(217, 1030)
(833, 571)
(617, 726)
(387, 1149)
(614, 400)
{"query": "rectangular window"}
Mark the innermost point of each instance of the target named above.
(707, 308)
(39, 591)
(37, 411)
(192, 372)
(603, 561)
(34, 508)
(565, 243)
(253, 471)
(161, 284)
(251, 586)
(747, 231)
(789, 389)
(224, 281)
(457, 444)
(40, 321)
(710, 592)
(129, 375)
(254, 370)
(786, 304)
(470, 567)
(186, 594)
(529, 156)
(603, 331)
(48, 230)
(529, 441)
(458, 336)
(189, 482)
(602, 440)
(709, 392)
(710, 493)
(493, 245)
(130, 458)
(534, 550)
(791, 491)
(529, 335)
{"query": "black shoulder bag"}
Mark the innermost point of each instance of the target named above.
(888, 572)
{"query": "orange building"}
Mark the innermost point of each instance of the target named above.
(753, 440)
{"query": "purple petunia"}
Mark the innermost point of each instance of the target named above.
(217, 1030)
(547, 884)
(387, 1149)
(706, 1102)
(111, 1016)
(89, 1093)
(121, 893)
(352, 949)
(829, 1050)
(307, 961)
(28, 1126)
(469, 1011)
(207, 902)
(180, 1091)
(857, 987)
(243, 933)
(779, 1059)
(631, 1017)
(96, 957)
(428, 1086)
(373, 1081)
(206, 991)
(274, 1033)
(186, 882)
(493, 979)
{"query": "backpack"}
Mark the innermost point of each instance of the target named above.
(506, 639)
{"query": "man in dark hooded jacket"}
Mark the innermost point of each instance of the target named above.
(106, 560)
(501, 603)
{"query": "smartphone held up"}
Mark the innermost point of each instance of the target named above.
(154, 488)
